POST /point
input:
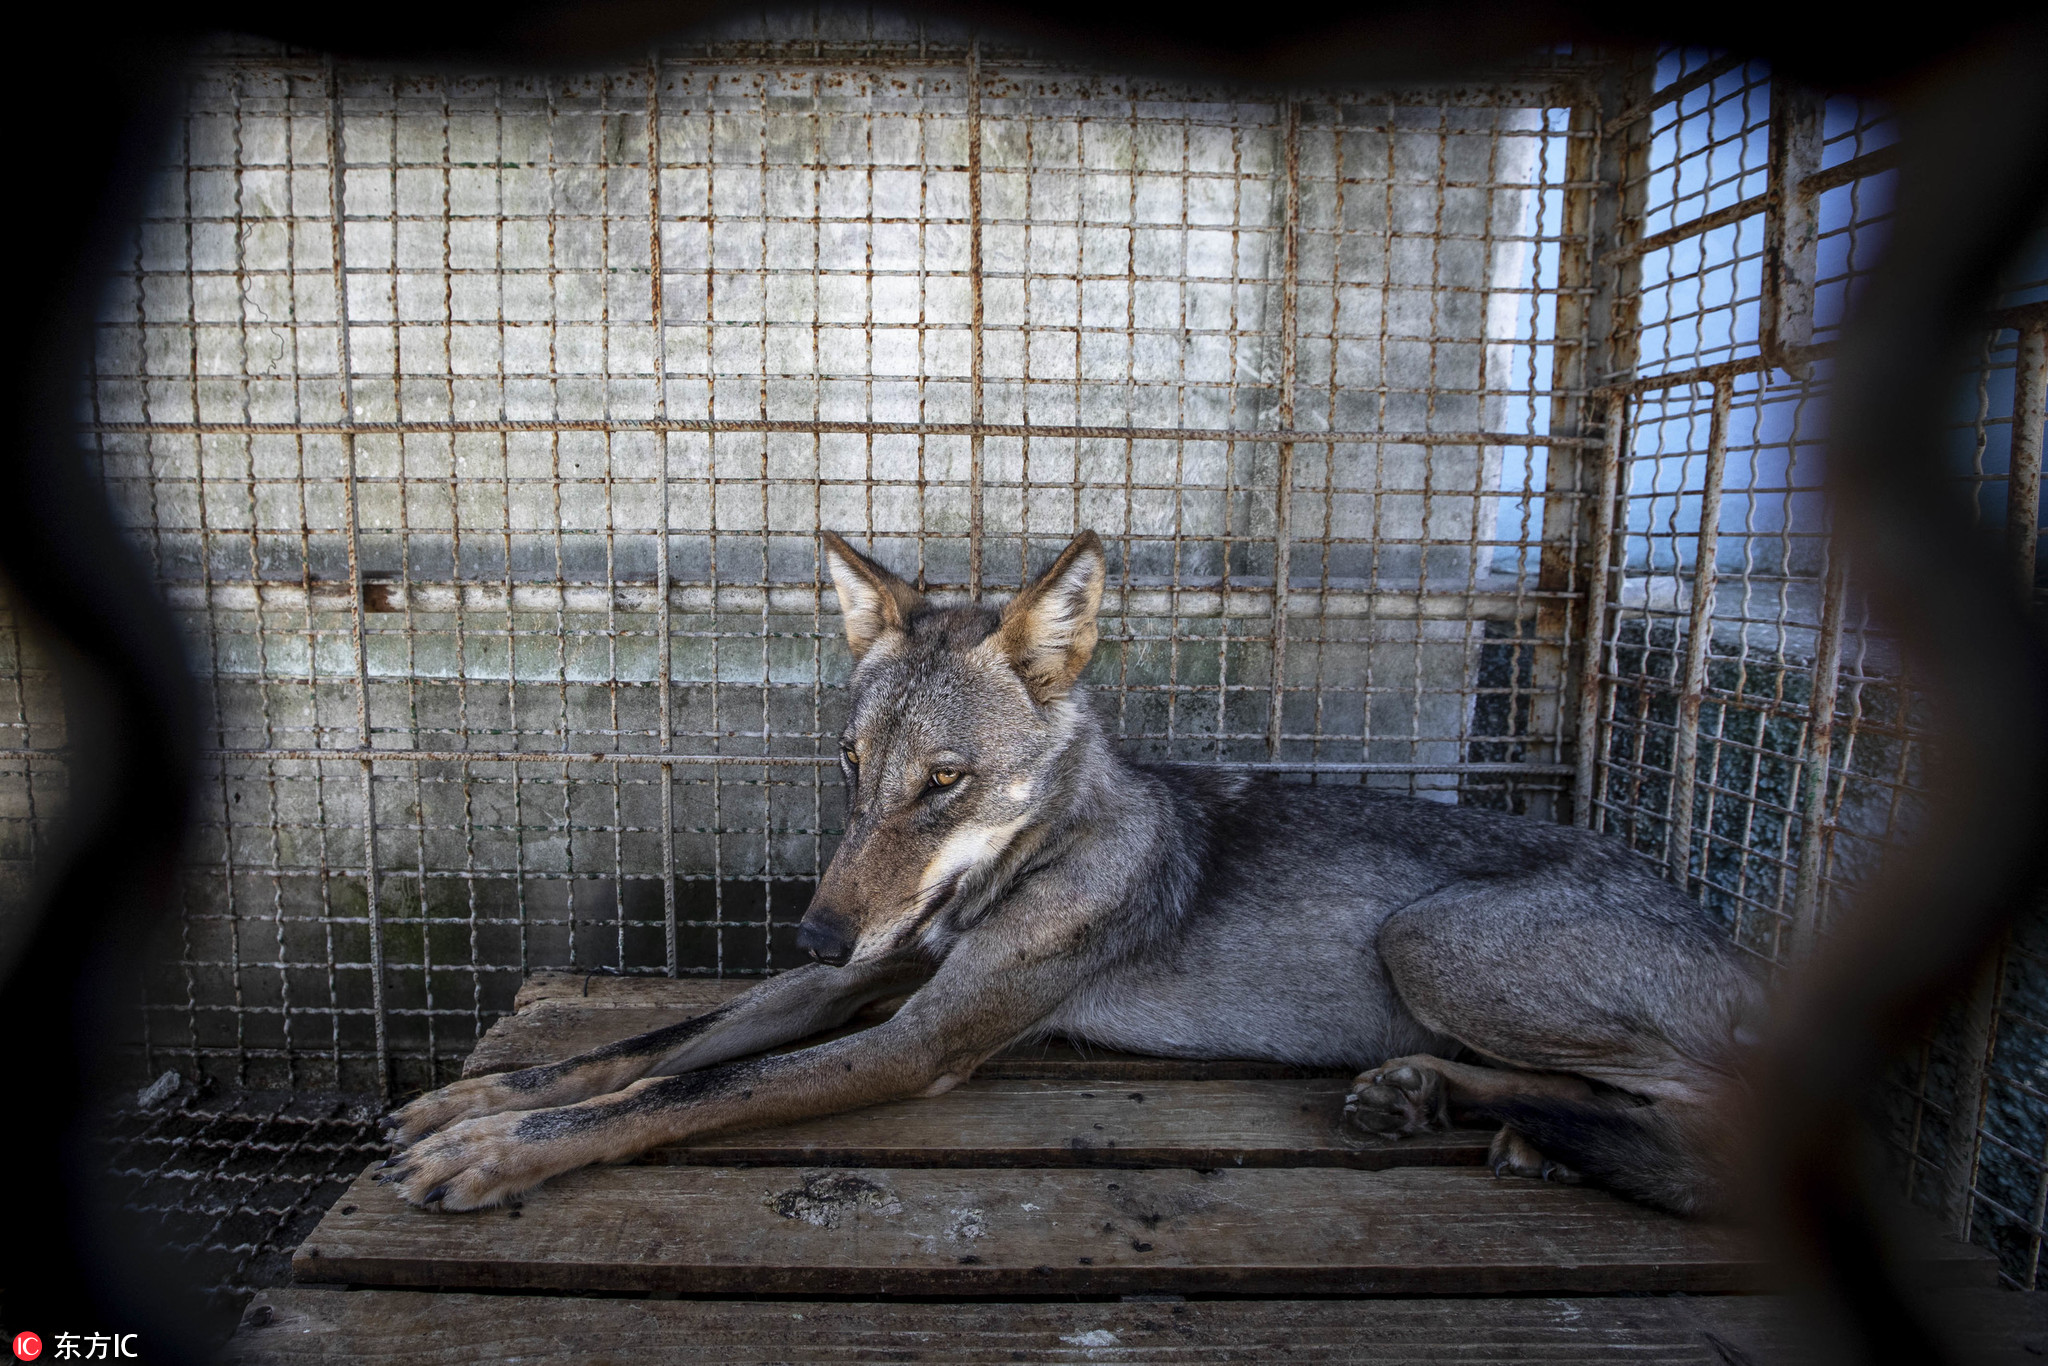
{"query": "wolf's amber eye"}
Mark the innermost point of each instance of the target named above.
(945, 777)
(846, 753)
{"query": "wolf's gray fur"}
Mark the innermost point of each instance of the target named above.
(1005, 860)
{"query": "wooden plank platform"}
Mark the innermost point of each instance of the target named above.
(301, 1327)
(877, 1231)
(1053, 1174)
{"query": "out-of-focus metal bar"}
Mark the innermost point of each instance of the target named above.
(2023, 483)
(1820, 740)
(1283, 478)
(664, 649)
(1980, 1010)
(1594, 630)
(974, 286)
(976, 430)
(337, 180)
(1685, 757)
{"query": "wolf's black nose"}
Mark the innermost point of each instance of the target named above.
(825, 936)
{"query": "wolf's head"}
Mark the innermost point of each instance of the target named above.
(958, 721)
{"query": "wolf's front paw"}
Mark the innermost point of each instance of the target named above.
(470, 1098)
(472, 1165)
(1402, 1097)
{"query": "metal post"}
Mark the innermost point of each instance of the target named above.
(1820, 737)
(1606, 484)
(1283, 479)
(974, 410)
(663, 658)
(1980, 1012)
(345, 362)
(1685, 758)
(2023, 483)
(1791, 228)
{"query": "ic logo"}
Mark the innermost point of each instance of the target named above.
(27, 1346)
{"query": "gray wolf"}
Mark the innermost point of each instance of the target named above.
(1005, 866)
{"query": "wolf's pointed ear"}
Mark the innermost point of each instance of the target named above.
(873, 601)
(1048, 630)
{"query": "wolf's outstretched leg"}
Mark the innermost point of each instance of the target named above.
(789, 1006)
(1616, 1033)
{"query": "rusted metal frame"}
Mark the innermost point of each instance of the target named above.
(718, 761)
(1654, 100)
(2021, 317)
(461, 681)
(1427, 518)
(664, 659)
(373, 909)
(1332, 392)
(723, 426)
(1606, 477)
(1568, 560)
(237, 173)
(607, 319)
(1283, 477)
(2023, 481)
(274, 821)
(1699, 629)
(711, 515)
(1813, 777)
(554, 372)
(1618, 162)
(767, 742)
(975, 319)
(445, 222)
(1791, 229)
(1816, 183)
(1716, 785)
(1692, 227)
(312, 680)
(521, 917)
(1981, 1008)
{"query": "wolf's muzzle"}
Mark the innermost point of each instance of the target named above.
(825, 936)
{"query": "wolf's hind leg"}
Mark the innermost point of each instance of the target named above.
(1510, 1154)
(1617, 1033)
(1420, 1093)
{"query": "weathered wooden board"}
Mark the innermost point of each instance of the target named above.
(995, 1123)
(876, 1231)
(309, 1327)
(551, 1028)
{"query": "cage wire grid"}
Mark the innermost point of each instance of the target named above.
(1748, 725)
(446, 484)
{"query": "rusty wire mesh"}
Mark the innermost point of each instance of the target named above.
(1757, 732)
(479, 429)
(456, 477)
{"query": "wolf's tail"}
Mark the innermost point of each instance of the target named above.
(1667, 1157)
